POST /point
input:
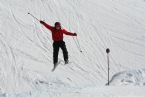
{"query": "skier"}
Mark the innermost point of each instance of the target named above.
(57, 36)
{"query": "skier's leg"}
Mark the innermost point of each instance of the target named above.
(55, 53)
(65, 52)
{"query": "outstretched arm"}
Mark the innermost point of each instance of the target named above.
(69, 33)
(46, 25)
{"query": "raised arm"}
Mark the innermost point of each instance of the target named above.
(46, 25)
(69, 33)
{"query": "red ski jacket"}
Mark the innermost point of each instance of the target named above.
(57, 35)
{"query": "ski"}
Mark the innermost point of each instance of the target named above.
(55, 66)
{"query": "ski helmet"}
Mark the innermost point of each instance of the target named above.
(57, 23)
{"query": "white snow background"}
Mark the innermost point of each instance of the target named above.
(26, 48)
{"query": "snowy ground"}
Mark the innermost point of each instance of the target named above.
(86, 92)
(26, 48)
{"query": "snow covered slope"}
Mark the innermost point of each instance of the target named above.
(132, 77)
(26, 46)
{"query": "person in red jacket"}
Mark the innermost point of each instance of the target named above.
(57, 36)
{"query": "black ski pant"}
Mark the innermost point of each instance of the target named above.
(56, 46)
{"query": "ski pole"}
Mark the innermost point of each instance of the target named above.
(33, 16)
(77, 44)
(108, 51)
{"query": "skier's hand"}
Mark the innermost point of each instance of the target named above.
(42, 22)
(75, 34)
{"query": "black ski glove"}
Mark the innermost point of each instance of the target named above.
(75, 34)
(42, 22)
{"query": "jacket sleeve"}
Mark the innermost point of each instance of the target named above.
(68, 33)
(47, 26)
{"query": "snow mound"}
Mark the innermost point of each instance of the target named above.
(132, 77)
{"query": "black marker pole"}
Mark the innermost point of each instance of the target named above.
(108, 51)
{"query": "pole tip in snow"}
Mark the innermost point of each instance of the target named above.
(107, 50)
(28, 13)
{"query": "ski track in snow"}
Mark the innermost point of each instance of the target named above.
(26, 47)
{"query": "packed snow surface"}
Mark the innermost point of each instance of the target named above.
(26, 48)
